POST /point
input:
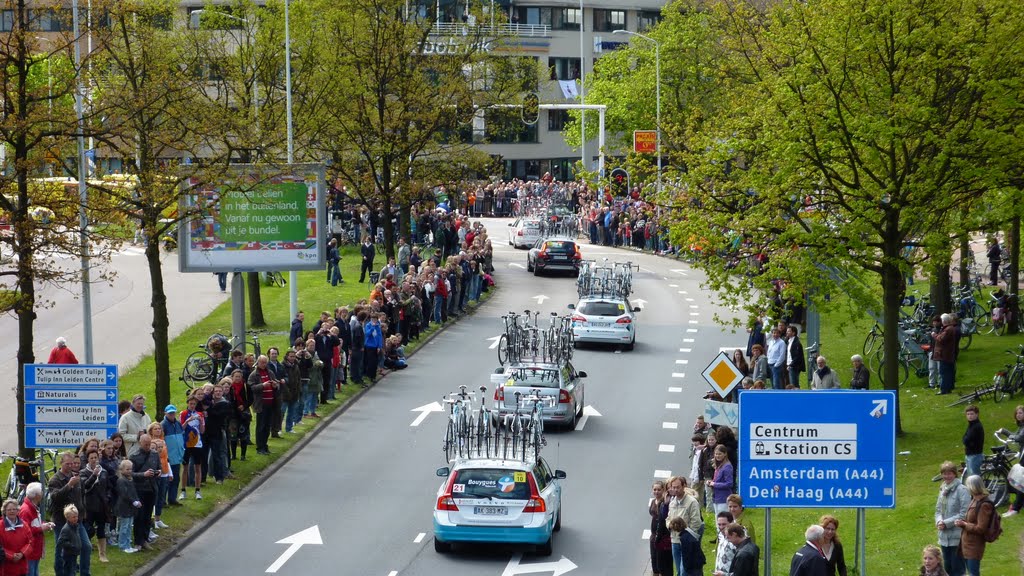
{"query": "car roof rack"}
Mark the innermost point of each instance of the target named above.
(604, 280)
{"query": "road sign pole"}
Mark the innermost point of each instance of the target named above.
(238, 308)
(861, 532)
(768, 542)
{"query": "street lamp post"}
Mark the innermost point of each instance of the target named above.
(293, 276)
(657, 74)
(83, 194)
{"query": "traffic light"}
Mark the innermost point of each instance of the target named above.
(531, 109)
(620, 181)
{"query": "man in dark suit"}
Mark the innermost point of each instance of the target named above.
(745, 562)
(808, 560)
(368, 252)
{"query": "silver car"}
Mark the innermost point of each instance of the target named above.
(604, 320)
(560, 385)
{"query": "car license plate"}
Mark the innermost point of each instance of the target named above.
(601, 324)
(490, 510)
(560, 258)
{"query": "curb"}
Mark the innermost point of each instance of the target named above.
(206, 523)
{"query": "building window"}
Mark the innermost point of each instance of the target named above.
(647, 19)
(565, 19)
(50, 20)
(564, 68)
(609, 20)
(6, 20)
(557, 119)
(532, 15)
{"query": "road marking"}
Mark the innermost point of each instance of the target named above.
(517, 265)
(694, 313)
(694, 306)
(562, 566)
(588, 411)
(682, 361)
(666, 447)
(682, 291)
(296, 541)
(689, 299)
(670, 425)
(686, 350)
(673, 285)
(671, 406)
(664, 277)
(646, 534)
(688, 340)
(678, 271)
(618, 351)
(425, 411)
(540, 298)
(691, 331)
(494, 340)
(694, 322)
(675, 389)
(419, 538)
(662, 473)
(678, 375)
(393, 573)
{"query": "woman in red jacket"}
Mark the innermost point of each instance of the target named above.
(31, 517)
(16, 539)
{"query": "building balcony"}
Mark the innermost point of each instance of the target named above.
(486, 30)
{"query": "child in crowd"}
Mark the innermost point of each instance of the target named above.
(69, 543)
(125, 505)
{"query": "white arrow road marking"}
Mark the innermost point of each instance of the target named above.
(419, 538)
(881, 407)
(666, 447)
(516, 265)
(494, 342)
(562, 566)
(310, 535)
(540, 298)
(424, 411)
(588, 411)
(640, 302)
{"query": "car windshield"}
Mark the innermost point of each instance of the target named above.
(534, 377)
(491, 483)
(601, 308)
(531, 224)
(560, 246)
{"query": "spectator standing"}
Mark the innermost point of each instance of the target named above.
(65, 489)
(809, 559)
(824, 378)
(722, 482)
(15, 539)
(125, 507)
(831, 548)
(944, 351)
(1018, 437)
(374, 341)
(145, 471)
(747, 557)
(973, 440)
(404, 254)
(70, 543)
(933, 362)
(297, 331)
(61, 354)
(174, 439)
(975, 524)
(291, 392)
(263, 387)
(661, 540)
(777, 358)
(333, 259)
(315, 383)
(193, 423)
(738, 513)
(795, 361)
(995, 258)
(683, 506)
(156, 434)
(951, 506)
(94, 495)
(725, 550)
(367, 251)
(133, 423)
(861, 377)
(32, 516)
(759, 364)
(356, 350)
(755, 335)
(931, 562)
(278, 370)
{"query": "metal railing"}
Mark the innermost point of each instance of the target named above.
(460, 28)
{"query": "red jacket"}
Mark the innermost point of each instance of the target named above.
(17, 539)
(34, 520)
(62, 356)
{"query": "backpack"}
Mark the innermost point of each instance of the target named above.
(995, 525)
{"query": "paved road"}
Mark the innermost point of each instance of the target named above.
(122, 321)
(368, 480)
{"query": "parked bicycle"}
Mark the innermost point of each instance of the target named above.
(996, 467)
(1011, 380)
(25, 471)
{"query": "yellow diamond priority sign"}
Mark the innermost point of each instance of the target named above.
(722, 375)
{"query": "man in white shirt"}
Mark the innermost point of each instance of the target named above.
(777, 358)
(725, 550)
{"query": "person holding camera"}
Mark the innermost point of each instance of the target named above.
(263, 387)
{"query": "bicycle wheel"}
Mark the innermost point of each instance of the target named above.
(279, 279)
(965, 341)
(11, 486)
(198, 368)
(1003, 387)
(503, 349)
(449, 441)
(995, 482)
(966, 398)
(869, 343)
(902, 373)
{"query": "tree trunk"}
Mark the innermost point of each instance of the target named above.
(161, 324)
(389, 228)
(965, 250)
(1013, 282)
(256, 319)
(26, 304)
(405, 222)
(940, 287)
(893, 288)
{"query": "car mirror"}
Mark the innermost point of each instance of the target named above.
(443, 472)
(581, 374)
(510, 224)
(571, 306)
(636, 308)
(560, 474)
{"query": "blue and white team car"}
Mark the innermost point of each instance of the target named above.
(498, 501)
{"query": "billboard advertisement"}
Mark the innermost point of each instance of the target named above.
(257, 218)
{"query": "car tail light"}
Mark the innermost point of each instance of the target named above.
(536, 503)
(563, 397)
(520, 233)
(577, 255)
(543, 253)
(499, 394)
(624, 320)
(580, 319)
(446, 502)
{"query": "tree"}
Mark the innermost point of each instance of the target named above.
(851, 134)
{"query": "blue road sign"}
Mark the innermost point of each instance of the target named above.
(68, 403)
(817, 449)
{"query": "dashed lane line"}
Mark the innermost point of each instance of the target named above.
(419, 538)
(671, 406)
(670, 425)
(666, 447)
(675, 389)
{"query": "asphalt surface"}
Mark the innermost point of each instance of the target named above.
(121, 314)
(368, 480)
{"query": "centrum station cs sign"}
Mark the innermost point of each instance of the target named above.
(817, 449)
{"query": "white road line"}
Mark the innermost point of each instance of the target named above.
(682, 361)
(662, 473)
(679, 271)
(675, 389)
(664, 277)
(682, 291)
(678, 375)
(689, 299)
(671, 406)
(419, 538)
(691, 331)
(688, 340)
(692, 306)
(666, 447)
(670, 425)
(673, 285)
(646, 534)
(393, 573)
(694, 322)
(694, 313)
(686, 350)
